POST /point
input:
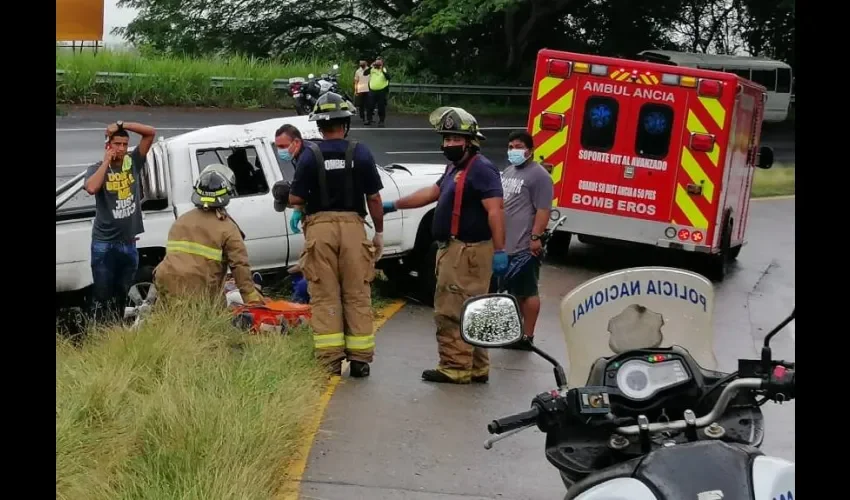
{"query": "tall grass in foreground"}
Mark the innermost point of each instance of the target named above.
(185, 407)
(776, 181)
(182, 81)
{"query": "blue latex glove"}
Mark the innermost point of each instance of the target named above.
(500, 262)
(294, 220)
(389, 207)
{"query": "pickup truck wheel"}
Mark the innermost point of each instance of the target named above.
(428, 275)
(143, 280)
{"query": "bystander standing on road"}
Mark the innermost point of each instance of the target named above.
(361, 90)
(379, 90)
(469, 229)
(114, 183)
(528, 193)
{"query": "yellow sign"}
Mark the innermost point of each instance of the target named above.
(79, 20)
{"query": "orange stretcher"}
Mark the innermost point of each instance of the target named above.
(275, 316)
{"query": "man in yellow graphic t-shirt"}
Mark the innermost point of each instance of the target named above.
(114, 183)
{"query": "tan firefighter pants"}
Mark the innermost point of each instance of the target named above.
(339, 265)
(463, 271)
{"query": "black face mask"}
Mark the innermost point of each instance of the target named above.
(454, 153)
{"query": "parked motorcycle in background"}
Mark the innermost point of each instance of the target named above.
(305, 93)
(654, 420)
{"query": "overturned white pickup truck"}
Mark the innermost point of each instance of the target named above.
(171, 169)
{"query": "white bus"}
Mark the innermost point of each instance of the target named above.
(774, 75)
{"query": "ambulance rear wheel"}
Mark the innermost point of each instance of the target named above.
(721, 262)
(734, 252)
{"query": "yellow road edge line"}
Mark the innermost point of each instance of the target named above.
(771, 198)
(295, 470)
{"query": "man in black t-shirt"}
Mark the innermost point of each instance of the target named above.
(114, 183)
(334, 182)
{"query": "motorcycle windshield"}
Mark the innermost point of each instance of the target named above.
(637, 308)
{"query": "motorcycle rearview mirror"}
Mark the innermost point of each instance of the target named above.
(766, 354)
(493, 320)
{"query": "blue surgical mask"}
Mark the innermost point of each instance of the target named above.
(516, 156)
(284, 155)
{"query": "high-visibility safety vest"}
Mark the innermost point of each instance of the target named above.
(362, 82)
(377, 79)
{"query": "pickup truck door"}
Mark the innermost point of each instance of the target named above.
(252, 207)
(393, 234)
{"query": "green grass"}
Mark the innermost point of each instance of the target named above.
(185, 407)
(776, 181)
(179, 81)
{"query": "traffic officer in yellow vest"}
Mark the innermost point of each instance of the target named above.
(469, 227)
(203, 242)
(379, 90)
(335, 180)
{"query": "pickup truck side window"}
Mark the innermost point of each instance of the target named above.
(654, 130)
(246, 166)
(599, 125)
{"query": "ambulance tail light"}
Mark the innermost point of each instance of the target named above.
(599, 70)
(709, 88)
(581, 67)
(702, 142)
(558, 68)
(688, 81)
(552, 121)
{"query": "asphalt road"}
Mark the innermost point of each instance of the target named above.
(393, 436)
(79, 136)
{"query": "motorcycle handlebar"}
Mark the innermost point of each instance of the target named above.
(511, 422)
(726, 396)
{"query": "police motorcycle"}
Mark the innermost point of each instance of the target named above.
(654, 420)
(305, 93)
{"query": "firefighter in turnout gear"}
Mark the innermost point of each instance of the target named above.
(335, 180)
(203, 242)
(469, 228)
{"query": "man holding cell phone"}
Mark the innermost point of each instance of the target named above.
(114, 183)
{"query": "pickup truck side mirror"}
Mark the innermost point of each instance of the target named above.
(280, 193)
(765, 158)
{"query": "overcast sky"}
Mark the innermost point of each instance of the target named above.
(113, 17)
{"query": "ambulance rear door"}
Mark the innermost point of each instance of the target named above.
(624, 153)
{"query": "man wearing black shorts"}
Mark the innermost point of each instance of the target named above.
(528, 193)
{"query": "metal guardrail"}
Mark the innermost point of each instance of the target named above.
(283, 84)
(404, 88)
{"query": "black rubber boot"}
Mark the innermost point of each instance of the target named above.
(359, 369)
(481, 379)
(439, 377)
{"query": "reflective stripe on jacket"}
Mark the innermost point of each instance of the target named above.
(201, 245)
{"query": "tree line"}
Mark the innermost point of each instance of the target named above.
(474, 41)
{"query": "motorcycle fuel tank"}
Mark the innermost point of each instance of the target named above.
(621, 488)
(773, 478)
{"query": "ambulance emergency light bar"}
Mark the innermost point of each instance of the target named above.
(559, 68)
